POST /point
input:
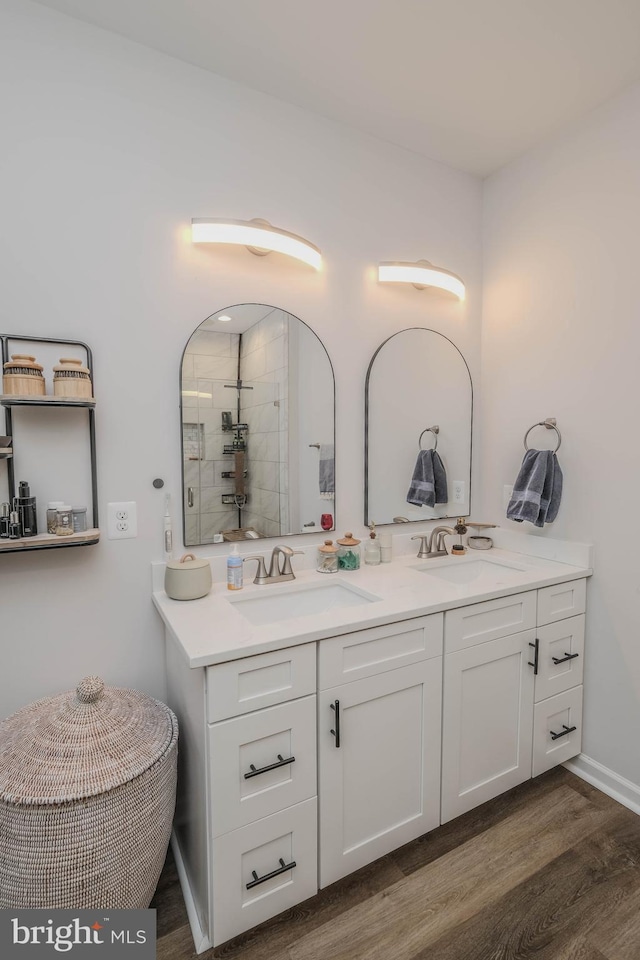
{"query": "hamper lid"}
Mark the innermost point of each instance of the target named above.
(81, 743)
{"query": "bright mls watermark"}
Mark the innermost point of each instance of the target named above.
(79, 934)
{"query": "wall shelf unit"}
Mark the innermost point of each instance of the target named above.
(9, 402)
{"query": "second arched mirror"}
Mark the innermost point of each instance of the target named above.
(419, 399)
(258, 421)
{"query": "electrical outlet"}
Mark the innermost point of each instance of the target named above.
(459, 491)
(122, 520)
(507, 490)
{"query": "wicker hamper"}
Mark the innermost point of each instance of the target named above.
(87, 794)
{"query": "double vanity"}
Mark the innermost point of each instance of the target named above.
(329, 720)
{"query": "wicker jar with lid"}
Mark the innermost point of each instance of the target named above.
(87, 794)
(23, 376)
(71, 379)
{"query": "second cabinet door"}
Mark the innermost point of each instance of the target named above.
(379, 756)
(487, 721)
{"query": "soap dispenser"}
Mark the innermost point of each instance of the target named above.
(372, 554)
(459, 549)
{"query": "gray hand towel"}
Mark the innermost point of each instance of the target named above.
(326, 476)
(538, 489)
(429, 481)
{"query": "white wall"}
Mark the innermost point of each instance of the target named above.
(108, 150)
(561, 338)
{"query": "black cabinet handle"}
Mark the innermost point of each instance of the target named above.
(536, 652)
(336, 707)
(563, 733)
(567, 656)
(272, 766)
(269, 876)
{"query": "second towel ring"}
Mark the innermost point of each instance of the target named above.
(435, 430)
(550, 424)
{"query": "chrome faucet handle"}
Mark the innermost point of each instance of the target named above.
(261, 572)
(287, 569)
(424, 545)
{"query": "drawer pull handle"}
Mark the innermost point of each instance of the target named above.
(272, 766)
(567, 656)
(336, 733)
(268, 876)
(536, 651)
(564, 732)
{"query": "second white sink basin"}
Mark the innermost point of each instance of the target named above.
(462, 571)
(302, 601)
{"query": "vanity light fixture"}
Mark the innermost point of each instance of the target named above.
(421, 274)
(258, 236)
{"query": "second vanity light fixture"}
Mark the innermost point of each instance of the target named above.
(258, 236)
(421, 274)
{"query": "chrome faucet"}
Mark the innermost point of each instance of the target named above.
(279, 569)
(432, 545)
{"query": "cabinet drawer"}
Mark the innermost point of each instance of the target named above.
(240, 748)
(479, 622)
(366, 653)
(561, 600)
(551, 717)
(240, 686)
(262, 848)
(564, 642)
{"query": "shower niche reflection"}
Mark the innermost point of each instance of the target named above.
(257, 400)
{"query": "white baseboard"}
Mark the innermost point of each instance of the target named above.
(200, 939)
(606, 780)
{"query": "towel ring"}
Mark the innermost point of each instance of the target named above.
(435, 430)
(550, 424)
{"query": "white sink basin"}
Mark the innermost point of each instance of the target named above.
(481, 572)
(303, 601)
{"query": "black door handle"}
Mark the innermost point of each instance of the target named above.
(335, 706)
(567, 656)
(536, 652)
(269, 876)
(272, 766)
(563, 733)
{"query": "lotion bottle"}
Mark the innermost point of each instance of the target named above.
(234, 569)
(372, 548)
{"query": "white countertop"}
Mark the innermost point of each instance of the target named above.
(211, 630)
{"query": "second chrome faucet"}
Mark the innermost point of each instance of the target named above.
(432, 544)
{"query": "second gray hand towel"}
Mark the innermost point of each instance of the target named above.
(538, 489)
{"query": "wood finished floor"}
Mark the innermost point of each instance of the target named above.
(550, 870)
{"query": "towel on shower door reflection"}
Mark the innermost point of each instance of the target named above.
(326, 476)
(537, 490)
(429, 481)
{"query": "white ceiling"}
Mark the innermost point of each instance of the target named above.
(472, 83)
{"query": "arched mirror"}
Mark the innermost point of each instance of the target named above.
(418, 417)
(258, 427)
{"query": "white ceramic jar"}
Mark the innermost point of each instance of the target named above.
(187, 578)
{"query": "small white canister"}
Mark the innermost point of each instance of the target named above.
(187, 578)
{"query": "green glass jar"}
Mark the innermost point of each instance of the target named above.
(348, 553)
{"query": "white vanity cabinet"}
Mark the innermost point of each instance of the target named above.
(299, 765)
(378, 741)
(512, 700)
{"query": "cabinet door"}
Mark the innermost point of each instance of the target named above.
(262, 869)
(487, 721)
(261, 762)
(557, 730)
(560, 657)
(380, 780)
